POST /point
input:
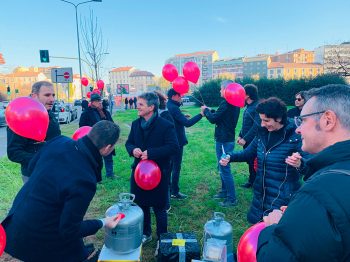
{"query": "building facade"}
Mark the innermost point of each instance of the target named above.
(256, 67)
(289, 71)
(204, 60)
(335, 58)
(299, 56)
(140, 82)
(231, 68)
(120, 76)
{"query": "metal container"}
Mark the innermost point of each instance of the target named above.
(218, 228)
(127, 235)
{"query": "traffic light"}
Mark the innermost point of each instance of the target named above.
(8, 89)
(91, 88)
(44, 56)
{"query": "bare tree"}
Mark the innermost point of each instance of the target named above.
(338, 60)
(95, 49)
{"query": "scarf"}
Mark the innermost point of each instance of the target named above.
(100, 112)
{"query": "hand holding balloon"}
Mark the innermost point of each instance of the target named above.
(144, 155)
(112, 222)
(273, 217)
(137, 152)
(294, 160)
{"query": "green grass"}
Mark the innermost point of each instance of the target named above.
(199, 179)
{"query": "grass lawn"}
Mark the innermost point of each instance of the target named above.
(199, 179)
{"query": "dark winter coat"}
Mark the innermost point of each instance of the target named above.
(250, 124)
(91, 116)
(160, 143)
(46, 222)
(225, 119)
(84, 105)
(316, 224)
(275, 181)
(181, 121)
(293, 112)
(21, 150)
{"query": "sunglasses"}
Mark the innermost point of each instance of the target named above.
(298, 120)
(298, 99)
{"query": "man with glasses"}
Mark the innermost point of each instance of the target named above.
(316, 224)
(299, 103)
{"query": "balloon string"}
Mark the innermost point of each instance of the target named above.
(197, 100)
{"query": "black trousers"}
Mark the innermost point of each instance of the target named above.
(161, 220)
(175, 174)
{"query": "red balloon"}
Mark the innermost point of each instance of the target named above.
(247, 246)
(191, 72)
(235, 95)
(147, 174)
(169, 72)
(100, 84)
(28, 118)
(2, 239)
(96, 91)
(88, 94)
(80, 132)
(84, 81)
(180, 85)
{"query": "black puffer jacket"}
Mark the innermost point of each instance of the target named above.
(251, 122)
(225, 119)
(316, 224)
(21, 150)
(275, 181)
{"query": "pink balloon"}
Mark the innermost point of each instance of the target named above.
(28, 118)
(235, 95)
(191, 72)
(169, 72)
(80, 132)
(88, 94)
(180, 85)
(84, 81)
(100, 84)
(147, 174)
(247, 245)
(2, 239)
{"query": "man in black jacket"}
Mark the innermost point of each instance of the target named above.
(316, 224)
(46, 221)
(181, 121)
(250, 124)
(96, 112)
(225, 119)
(152, 137)
(20, 149)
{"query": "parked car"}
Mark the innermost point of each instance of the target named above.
(2, 117)
(77, 102)
(67, 113)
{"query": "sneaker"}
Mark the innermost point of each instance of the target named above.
(220, 195)
(247, 185)
(178, 196)
(228, 203)
(157, 249)
(146, 239)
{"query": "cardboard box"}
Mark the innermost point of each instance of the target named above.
(108, 255)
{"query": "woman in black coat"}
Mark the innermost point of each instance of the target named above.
(276, 180)
(152, 137)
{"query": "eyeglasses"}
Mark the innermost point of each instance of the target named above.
(298, 99)
(298, 120)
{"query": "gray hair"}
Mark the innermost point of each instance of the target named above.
(151, 98)
(37, 85)
(335, 97)
(225, 83)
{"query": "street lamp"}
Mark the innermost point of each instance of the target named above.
(76, 20)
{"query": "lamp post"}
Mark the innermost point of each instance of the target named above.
(76, 21)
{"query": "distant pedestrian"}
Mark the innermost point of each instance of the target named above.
(126, 102)
(135, 102)
(131, 101)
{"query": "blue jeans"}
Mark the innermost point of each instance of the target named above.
(227, 182)
(109, 165)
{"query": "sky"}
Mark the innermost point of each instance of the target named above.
(144, 33)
